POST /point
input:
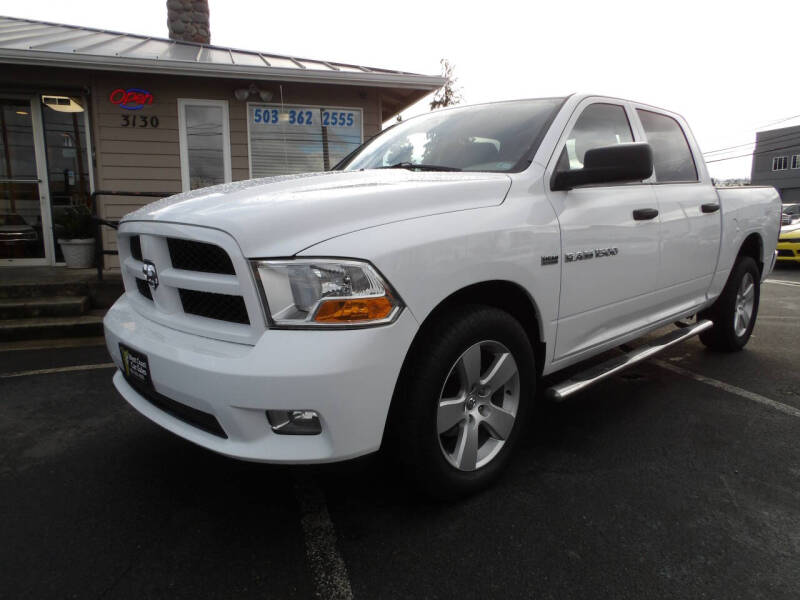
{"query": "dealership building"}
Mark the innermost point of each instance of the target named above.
(114, 120)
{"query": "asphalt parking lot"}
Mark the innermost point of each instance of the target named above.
(677, 479)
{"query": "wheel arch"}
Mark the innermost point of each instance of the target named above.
(753, 246)
(502, 294)
(505, 295)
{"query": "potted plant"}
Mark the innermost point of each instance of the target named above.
(75, 230)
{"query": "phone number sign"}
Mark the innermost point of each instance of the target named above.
(301, 116)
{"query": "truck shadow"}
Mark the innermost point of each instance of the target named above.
(557, 434)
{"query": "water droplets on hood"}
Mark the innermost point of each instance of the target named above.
(218, 190)
(280, 216)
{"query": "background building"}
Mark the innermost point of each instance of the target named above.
(95, 117)
(776, 161)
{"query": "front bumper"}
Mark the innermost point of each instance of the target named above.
(789, 251)
(347, 376)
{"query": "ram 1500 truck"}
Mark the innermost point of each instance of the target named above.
(414, 296)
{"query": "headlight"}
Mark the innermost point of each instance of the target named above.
(325, 293)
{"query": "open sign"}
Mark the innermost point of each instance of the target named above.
(130, 99)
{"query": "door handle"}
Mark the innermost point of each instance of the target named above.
(645, 214)
(711, 207)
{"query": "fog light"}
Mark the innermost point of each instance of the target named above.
(294, 422)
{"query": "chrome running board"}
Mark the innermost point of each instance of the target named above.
(599, 372)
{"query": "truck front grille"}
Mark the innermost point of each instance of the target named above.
(204, 285)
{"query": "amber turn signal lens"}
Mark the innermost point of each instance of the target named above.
(354, 310)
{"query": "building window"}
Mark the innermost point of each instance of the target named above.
(204, 143)
(300, 139)
(780, 163)
(796, 161)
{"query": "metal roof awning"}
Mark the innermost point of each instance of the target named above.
(50, 44)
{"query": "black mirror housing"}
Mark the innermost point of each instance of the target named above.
(619, 163)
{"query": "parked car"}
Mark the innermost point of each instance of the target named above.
(14, 229)
(413, 297)
(791, 214)
(789, 243)
(16, 236)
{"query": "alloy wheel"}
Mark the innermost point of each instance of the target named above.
(478, 405)
(745, 301)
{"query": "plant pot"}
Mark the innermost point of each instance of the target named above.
(78, 254)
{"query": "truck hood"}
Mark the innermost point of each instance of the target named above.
(280, 216)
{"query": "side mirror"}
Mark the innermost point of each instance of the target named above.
(608, 164)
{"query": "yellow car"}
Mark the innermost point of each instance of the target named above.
(789, 244)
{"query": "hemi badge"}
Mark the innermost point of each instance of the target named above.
(549, 260)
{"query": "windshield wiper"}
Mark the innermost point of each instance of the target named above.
(413, 166)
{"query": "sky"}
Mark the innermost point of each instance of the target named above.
(730, 68)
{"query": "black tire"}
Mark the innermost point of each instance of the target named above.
(723, 336)
(414, 440)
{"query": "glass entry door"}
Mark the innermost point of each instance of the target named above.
(24, 212)
(67, 161)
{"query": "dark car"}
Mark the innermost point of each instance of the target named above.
(791, 214)
(13, 228)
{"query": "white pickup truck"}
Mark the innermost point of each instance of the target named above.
(414, 296)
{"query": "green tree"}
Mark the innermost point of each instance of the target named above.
(449, 94)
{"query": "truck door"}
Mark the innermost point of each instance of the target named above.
(690, 214)
(609, 239)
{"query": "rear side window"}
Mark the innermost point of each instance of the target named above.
(672, 158)
(599, 125)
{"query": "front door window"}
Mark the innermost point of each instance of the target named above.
(599, 125)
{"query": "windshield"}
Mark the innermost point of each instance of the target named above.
(498, 137)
